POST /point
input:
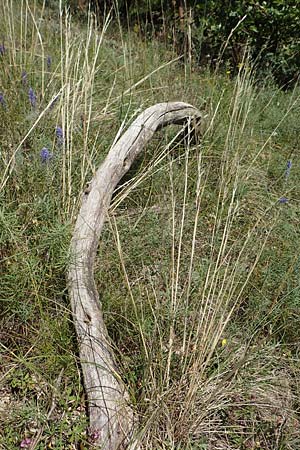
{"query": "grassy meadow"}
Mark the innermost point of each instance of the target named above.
(198, 266)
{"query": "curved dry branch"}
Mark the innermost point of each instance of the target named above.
(111, 418)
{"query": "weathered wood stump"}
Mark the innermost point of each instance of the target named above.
(111, 417)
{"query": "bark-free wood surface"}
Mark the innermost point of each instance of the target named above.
(111, 417)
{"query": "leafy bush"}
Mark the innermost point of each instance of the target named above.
(270, 29)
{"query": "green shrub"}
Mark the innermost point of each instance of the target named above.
(270, 29)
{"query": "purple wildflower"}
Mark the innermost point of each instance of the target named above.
(60, 135)
(32, 97)
(25, 443)
(288, 169)
(2, 49)
(283, 200)
(2, 100)
(24, 77)
(45, 155)
(49, 61)
(94, 435)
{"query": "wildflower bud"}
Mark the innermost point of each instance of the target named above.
(288, 169)
(60, 135)
(32, 97)
(24, 77)
(25, 443)
(94, 435)
(283, 200)
(45, 155)
(49, 61)
(2, 100)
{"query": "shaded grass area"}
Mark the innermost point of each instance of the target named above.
(198, 264)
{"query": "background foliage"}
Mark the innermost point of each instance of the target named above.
(269, 28)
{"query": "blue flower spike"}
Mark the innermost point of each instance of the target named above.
(45, 155)
(283, 200)
(49, 62)
(2, 100)
(60, 135)
(32, 97)
(288, 169)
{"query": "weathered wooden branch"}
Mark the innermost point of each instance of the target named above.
(111, 417)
